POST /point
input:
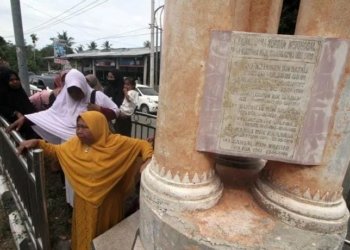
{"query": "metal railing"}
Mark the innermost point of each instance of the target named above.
(26, 178)
(143, 125)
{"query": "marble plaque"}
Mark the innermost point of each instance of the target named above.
(270, 96)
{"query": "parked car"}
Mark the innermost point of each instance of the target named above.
(33, 89)
(148, 99)
(43, 82)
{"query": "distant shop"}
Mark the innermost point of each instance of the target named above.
(132, 62)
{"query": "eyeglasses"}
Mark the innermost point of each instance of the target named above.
(79, 126)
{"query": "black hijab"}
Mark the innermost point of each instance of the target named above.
(114, 88)
(11, 99)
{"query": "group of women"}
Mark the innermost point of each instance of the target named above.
(99, 165)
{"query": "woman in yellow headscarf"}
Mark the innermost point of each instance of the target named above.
(101, 168)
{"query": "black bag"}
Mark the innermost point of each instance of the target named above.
(93, 96)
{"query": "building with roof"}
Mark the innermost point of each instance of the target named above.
(131, 62)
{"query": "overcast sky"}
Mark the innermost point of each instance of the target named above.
(124, 23)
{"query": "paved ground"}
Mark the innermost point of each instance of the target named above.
(347, 246)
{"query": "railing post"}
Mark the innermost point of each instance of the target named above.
(39, 172)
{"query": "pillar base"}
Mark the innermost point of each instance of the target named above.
(240, 162)
(302, 212)
(235, 222)
(170, 192)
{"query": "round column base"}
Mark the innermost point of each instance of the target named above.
(236, 222)
(169, 192)
(316, 216)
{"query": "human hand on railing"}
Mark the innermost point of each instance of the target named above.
(93, 107)
(18, 114)
(28, 144)
(16, 125)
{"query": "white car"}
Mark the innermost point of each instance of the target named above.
(33, 89)
(148, 99)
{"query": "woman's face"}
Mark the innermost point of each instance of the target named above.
(76, 93)
(110, 76)
(83, 132)
(14, 82)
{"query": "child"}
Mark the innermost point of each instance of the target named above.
(131, 96)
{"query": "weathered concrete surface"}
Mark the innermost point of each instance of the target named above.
(186, 42)
(236, 222)
(121, 236)
(321, 183)
(270, 96)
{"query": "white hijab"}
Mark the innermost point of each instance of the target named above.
(60, 119)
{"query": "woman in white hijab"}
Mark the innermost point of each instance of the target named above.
(60, 119)
(58, 123)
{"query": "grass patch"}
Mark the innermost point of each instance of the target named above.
(59, 212)
(6, 240)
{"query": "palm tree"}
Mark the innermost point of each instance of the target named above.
(67, 40)
(34, 40)
(92, 45)
(106, 45)
(79, 49)
(147, 44)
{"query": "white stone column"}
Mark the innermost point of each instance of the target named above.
(179, 178)
(178, 174)
(310, 197)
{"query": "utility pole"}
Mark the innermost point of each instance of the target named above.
(151, 64)
(157, 50)
(20, 47)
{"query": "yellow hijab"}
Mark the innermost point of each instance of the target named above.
(93, 171)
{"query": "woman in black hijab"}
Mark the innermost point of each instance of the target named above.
(14, 102)
(114, 88)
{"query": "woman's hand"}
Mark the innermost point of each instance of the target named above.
(18, 114)
(28, 144)
(93, 107)
(125, 91)
(16, 125)
(144, 165)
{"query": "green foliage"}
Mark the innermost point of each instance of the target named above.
(6, 240)
(66, 39)
(92, 45)
(79, 49)
(46, 51)
(107, 45)
(8, 53)
(34, 39)
(35, 58)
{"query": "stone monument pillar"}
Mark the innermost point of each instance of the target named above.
(310, 197)
(180, 178)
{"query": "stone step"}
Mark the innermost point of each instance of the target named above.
(121, 236)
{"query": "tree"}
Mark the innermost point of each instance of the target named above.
(147, 44)
(34, 40)
(92, 45)
(79, 49)
(65, 39)
(47, 51)
(107, 45)
(8, 54)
